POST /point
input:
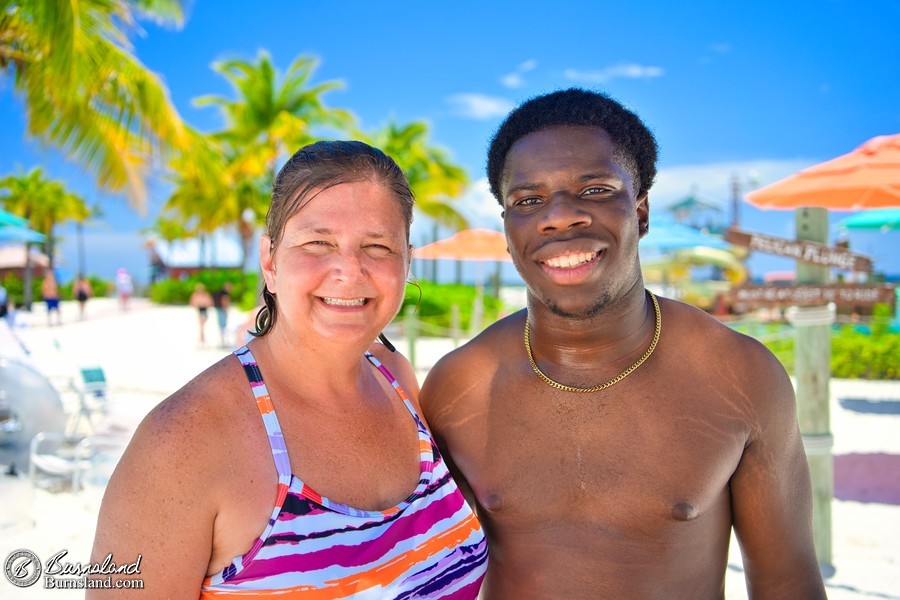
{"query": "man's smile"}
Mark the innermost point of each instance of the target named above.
(571, 260)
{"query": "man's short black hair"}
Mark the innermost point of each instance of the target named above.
(631, 138)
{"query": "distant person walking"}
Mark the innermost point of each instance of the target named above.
(222, 302)
(50, 293)
(4, 302)
(124, 287)
(82, 290)
(202, 301)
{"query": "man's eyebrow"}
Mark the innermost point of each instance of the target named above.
(600, 175)
(524, 187)
(531, 187)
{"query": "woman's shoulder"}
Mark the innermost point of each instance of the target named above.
(192, 421)
(400, 368)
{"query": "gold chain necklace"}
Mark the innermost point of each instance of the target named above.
(611, 382)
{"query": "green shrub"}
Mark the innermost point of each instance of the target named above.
(100, 288)
(435, 311)
(178, 291)
(855, 352)
(15, 289)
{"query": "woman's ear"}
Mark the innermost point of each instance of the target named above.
(267, 261)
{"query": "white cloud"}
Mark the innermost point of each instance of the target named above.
(513, 80)
(720, 47)
(480, 207)
(476, 204)
(623, 71)
(713, 181)
(480, 106)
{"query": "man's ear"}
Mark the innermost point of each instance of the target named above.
(642, 205)
(267, 261)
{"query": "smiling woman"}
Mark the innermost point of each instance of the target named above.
(268, 436)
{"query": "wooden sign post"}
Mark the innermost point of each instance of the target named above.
(803, 250)
(812, 373)
(812, 313)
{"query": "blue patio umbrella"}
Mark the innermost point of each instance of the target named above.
(665, 234)
(13, 233)
(882, 219)
(9, 219)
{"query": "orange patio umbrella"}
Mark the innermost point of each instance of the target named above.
(868, 177)
(468, 244)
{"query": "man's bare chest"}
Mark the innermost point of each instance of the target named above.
(620, 458)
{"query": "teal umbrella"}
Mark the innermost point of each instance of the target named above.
(7, 218)
(13, 233)
(665, 234)
(883, 219)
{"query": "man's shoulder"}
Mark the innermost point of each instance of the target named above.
(488, 347)
(695, 333)
(682, 317)
(475, 361)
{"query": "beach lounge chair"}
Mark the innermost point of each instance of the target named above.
(56, 459)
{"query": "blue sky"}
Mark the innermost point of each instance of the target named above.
(753, 90)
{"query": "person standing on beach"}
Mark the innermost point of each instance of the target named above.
(50, 293)
(124, 287)
(298, 466)
(222, 302)
(202, 301)
(82, 290)
(610, 439)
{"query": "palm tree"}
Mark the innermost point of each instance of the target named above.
(45, 204)
(434, 179)
(229, 173)
(273, 115)
(84, 91)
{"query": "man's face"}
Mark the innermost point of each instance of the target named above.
(572, 219)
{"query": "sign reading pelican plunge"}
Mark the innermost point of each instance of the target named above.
(802, 250)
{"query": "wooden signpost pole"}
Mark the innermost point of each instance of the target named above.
(812, 313)
(812, 371)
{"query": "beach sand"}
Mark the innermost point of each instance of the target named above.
(150, 351)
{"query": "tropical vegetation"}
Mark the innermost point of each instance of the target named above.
(87, 95)
(433, 306)
(225, 179)
(45, 203)
(858, 350)
(84, 91)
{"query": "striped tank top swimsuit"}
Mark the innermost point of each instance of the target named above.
(431, 545)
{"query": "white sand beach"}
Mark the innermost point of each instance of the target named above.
(150, 351)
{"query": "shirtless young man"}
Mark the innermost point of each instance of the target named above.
(615, 459)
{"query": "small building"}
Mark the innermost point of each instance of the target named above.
(12, 260)
(181, 258)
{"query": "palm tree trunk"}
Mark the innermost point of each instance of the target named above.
(27, 277)
(51, 248)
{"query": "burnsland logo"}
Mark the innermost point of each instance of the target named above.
(56, 567)
(22, 568)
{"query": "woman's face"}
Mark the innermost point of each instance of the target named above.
(340, 269)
